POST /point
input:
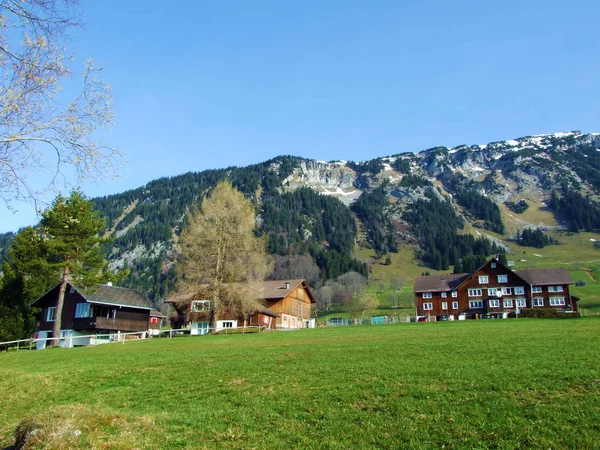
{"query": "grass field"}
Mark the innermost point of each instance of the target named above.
(484, 384)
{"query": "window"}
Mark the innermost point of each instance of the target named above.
(227, 324)
(506, 291)
(454, 305)
(521, 302)
(538, 301)
(427, 306)
(502, 278)
(536, 289)
(493, 291)
(483, 279)
(82, 310)
(557, 301)
(508, 303)
(520, 290)
(444, 295)
(200, 305)
(493, 265)
(494, 303)
(555, 288)
(427, 295)
(475, 304)
(474, 292)
(445, 306)
(50, 314)
(454, 294)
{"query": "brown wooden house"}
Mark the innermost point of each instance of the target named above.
(100, 310)
(292, 300)
(493, 290)
(286, 305)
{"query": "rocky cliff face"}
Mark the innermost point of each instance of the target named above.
(503, 170)
(326, 178)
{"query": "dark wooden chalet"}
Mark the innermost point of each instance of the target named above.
(493, 290)
(102, 309)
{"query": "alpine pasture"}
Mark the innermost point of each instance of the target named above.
(520, 383)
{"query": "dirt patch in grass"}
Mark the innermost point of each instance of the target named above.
(74, 426)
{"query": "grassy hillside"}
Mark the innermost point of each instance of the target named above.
(485, 384)
(576, 252)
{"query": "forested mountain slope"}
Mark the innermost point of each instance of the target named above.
(448, 205)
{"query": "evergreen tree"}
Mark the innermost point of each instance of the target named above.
(26, 277)
(71, 231)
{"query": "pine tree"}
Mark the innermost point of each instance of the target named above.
(26, 276)
(71, 230)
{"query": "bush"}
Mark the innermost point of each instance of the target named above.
(547, 313)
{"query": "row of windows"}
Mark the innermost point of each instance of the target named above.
(485, 279)
(444, 294)
(429, 306)
(508, 303)
(477, 292)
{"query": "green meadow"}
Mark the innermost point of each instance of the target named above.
(520, 383)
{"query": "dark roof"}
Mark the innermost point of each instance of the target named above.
(267, 312)
(540, 277)
(155, 313)
(114, 295)
(437, 283)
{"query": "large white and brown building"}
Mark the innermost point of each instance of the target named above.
(493, 290)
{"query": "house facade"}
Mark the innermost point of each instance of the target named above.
(103, 312)
(285, 305)
(292, 300)
(493, 290)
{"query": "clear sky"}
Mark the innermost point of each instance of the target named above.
(209, 84)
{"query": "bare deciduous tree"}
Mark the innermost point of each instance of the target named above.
(398, 282)
(296, 266)
(43, 134)
(324, 298)
(220, 257)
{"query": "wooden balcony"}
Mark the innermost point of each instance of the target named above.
(104, 323)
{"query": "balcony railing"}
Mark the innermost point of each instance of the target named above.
(105, 323)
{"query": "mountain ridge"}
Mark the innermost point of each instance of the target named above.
(468, 185)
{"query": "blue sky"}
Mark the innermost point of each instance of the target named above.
(202, 85)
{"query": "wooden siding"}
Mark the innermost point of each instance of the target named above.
(124, 315)
(296, 304)
(463, 298)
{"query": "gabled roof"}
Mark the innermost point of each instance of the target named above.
(541, 277)
(107, 295)
(487, 263)
(438, 283)
(269, 290)
(114, 295)
(538, 277)
(278, 289)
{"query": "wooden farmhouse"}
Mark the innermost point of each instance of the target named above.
(103, 312)
(285, 305)
(493, 291)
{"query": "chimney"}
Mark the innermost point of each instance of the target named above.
(287, 284)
